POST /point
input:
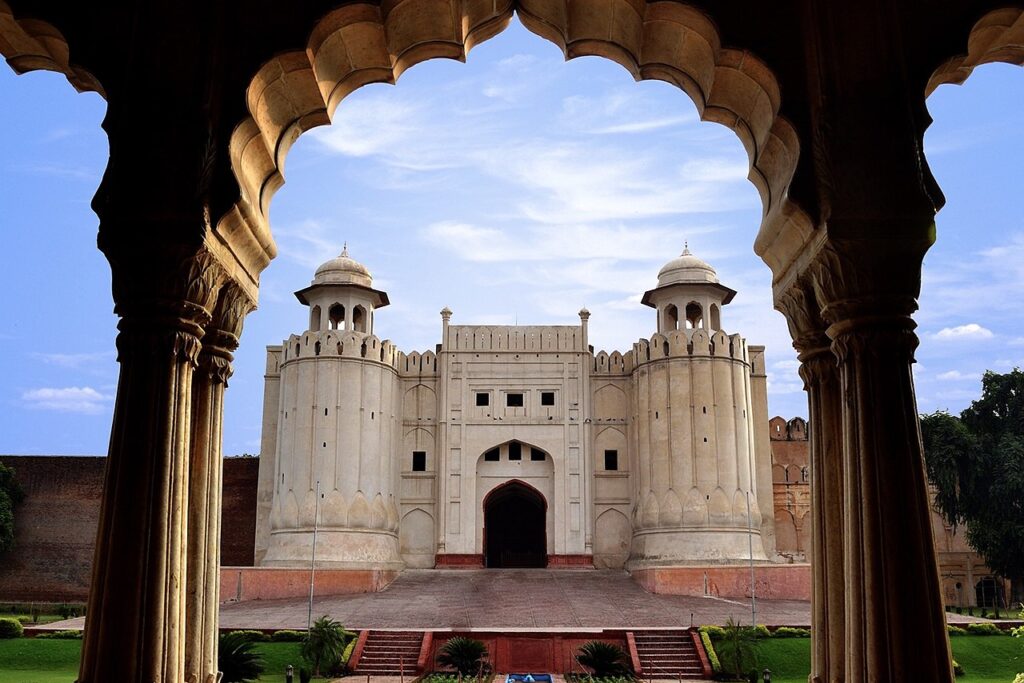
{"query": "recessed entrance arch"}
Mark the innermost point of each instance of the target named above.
(515, 527)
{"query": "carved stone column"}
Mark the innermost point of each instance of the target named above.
(894, 623)
(205, 484)
(136, 617)
(819, 370)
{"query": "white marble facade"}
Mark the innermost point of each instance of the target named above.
(515, 445)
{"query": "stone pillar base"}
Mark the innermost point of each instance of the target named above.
(771, 581)
(241, 584)
(673, 547)
(335, 549)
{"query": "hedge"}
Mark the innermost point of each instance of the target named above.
(11, 628)
(705, 638)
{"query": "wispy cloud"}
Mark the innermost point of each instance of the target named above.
(65, 170)
(75, 361)
(968, 331)
(83, 400)
(569, 243)
(956, 375)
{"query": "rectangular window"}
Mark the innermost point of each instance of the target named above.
(536, 455)
(492, 455)
(419, 461)
(547, 398)
(611, 461)
(515, 451)
(514, 400)
(483, 398)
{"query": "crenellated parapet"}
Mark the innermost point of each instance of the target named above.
(614, 363)
(678, 344)
(339, 344)
(566, 338)
(417, 364)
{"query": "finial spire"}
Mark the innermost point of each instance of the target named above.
(686, 248)
(344, 250)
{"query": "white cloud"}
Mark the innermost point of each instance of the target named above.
(968, 331)
(76, 360)
(956, 375)
(568, 243)
(84, 400)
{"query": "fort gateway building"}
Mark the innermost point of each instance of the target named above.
(515, 446)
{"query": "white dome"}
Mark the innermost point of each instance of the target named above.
(343, 270)
(686, 269)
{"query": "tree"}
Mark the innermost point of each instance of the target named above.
(324, 644)
(976, 464)
(10, 495)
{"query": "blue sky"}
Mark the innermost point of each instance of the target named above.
(512, 188)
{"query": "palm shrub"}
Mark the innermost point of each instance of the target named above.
(465, 655)
(737, 649)
(604, 659)
(238, 659)
(324, 644)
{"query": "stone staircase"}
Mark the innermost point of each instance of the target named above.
(388, 653)
(668, 654)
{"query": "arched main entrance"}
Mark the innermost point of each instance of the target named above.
(515, 532)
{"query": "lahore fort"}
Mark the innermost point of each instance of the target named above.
(505, 447)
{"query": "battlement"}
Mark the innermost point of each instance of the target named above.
(781, 429)
(678, 344)
(342, 344)
(514, 338)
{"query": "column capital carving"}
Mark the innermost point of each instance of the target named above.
(165, 298)
(223, 332)
(803, 316)
(866, 281)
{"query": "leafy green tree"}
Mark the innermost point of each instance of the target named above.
(465, 655)
(737, 649)
(237, 658)
(604, 659)
(10, 495)
(976, 463)
(324, 644)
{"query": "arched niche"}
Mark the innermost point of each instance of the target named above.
(336, 317)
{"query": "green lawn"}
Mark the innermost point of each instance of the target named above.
(27, 660)
(986, 659)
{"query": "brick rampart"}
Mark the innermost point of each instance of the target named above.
(55, 527)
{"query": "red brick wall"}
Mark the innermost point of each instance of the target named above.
(238, 524)
(55, 527)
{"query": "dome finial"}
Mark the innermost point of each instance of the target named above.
(344, 250)
(686, 248)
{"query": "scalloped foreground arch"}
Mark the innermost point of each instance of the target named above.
(363, 43)
(996, 37)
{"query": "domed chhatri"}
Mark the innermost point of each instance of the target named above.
(343, 270)
(686, 268)
(688, 295)
(341, 296)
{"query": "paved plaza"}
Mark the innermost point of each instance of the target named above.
(519, 599)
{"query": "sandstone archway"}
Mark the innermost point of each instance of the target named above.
(515, 527)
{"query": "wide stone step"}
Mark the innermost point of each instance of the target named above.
(388, 653)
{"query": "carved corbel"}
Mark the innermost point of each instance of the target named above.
(165, 300)
(224, 331)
